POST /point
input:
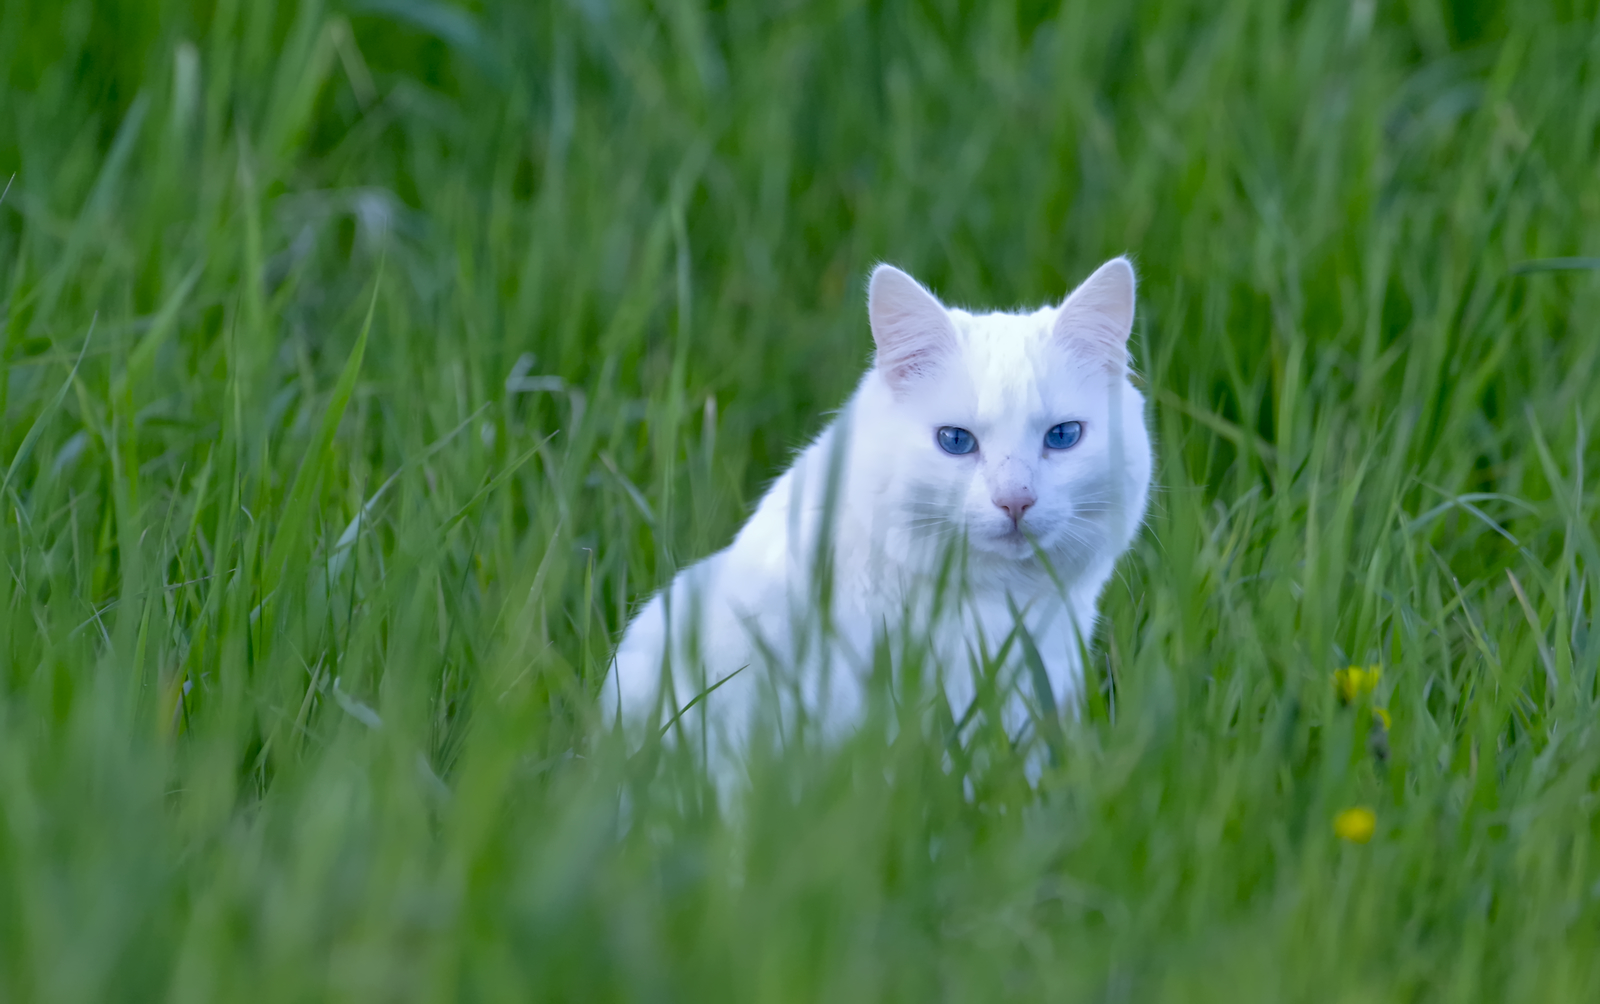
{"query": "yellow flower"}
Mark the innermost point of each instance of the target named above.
(1355, 825)
(1383, 716)
(1353, 681)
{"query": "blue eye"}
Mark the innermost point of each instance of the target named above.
(957, 441)
(1063, 436)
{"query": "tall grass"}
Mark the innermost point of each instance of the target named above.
(363, 365)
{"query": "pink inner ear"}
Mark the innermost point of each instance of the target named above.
(1098, 317)
(916, 357)
(910, 327)
(1098, 342)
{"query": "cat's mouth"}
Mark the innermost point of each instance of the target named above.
(1013, 541)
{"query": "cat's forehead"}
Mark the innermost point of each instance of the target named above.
(1013, 360)
(1005, 340)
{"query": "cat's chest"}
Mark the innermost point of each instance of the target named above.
(921, 604)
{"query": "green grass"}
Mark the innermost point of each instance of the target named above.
(305, 605)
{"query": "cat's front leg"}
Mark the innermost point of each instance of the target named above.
(1042, 676)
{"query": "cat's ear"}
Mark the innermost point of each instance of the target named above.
(1097, 317)
(909, 325)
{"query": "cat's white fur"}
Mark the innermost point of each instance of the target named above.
(897, 508)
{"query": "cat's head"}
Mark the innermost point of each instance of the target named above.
(1011, 430)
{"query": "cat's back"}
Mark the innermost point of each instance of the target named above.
(710, 612)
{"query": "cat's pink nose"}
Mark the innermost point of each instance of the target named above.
(1015, 503)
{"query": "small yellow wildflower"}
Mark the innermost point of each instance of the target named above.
(1353, 681)
(1355, 825)
(1383, 716)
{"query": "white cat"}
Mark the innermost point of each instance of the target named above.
(1004, 456)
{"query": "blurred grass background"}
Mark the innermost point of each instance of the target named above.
(363, 364)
